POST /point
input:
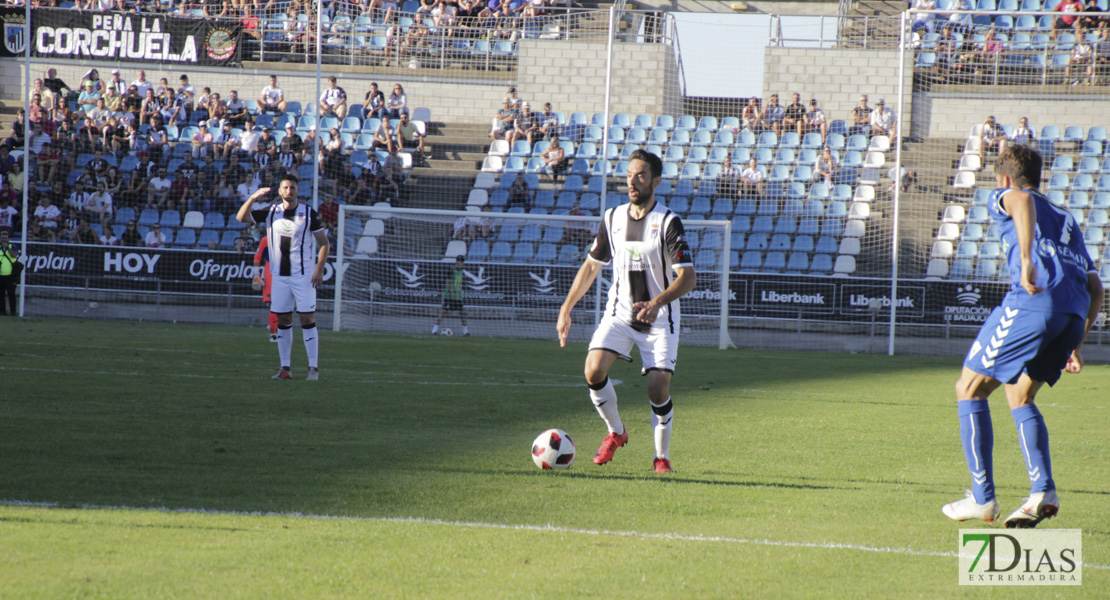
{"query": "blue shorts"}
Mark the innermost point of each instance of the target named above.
(1013, 341)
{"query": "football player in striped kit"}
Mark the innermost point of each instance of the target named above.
(295, 269)
(646, 244)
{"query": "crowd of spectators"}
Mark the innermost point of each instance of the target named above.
(105, 144)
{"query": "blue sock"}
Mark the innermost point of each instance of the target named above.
(977, 435)
(1033, 437)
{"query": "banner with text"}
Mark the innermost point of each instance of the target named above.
(72, 34)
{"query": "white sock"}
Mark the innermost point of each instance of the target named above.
(285, 344)
(605, 399)
(466, 330)
(435, 329)
(311, 337)
(661, 419)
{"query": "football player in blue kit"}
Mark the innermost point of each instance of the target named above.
(1036, 333)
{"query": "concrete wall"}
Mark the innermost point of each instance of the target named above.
(950, 116)
(572, 76)
(836, 78)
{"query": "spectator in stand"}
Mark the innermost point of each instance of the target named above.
(728, 180)
(926, 21)
(113, 182)
(815, 121)
(248, 141)
(901, 177)
(549, 122)
(272, 99)
(883, 120)
(751, 180)
(79, 198)
(158, 189)
(374, 104)
(1068, 18)
(131, 236)
(151, 107)
(237, 113)
(383, 137)
(503, 121)
(93, 77)
(100, 206)
(155, 238)
(824, 167)
(39, 114)
(49, 99)
(296, 144)
(1092, 19)
(991, 137)
(1023, 133)
(329, 210)
(202, 141)
(333, 102)
(397, 102)
(225, 143)
(390, 183)
(56, 85)
(773, 115)
(142, 85)
(960, 22)
(48, 161)
(1082, 54)
(19, 131)
(47, 215)
(519, 194)
(751, 118)
(861, 117)
(86, 101)
(186, 93)
(201, 103)
(795, 116)
(156, 138)
(217, 111)
(554, 160)
(116, 84)
(407, 131)
(525, 126)
(85, 234)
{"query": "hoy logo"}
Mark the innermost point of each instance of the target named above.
(131, 262)
(1021, 557)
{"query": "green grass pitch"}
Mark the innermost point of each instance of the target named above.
(405, 473)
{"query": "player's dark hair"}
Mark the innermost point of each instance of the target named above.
(1022, 164)
(654, 161)
(289, 177)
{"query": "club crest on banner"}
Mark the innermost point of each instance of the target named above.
(15, 35)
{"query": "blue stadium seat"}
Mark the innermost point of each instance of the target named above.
(821, 264)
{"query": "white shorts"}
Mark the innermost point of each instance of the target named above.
(658, 348)
(294, 291)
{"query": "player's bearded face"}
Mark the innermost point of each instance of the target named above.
(288, 190)
(640, 188)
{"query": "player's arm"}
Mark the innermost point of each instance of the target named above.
(582, 282)
(244, 214)
(256, 282)
(1094, 287)
(321, 256)
(1019, 205)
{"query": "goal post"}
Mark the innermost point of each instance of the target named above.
(393, 265)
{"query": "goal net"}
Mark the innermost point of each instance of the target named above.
(394, 265)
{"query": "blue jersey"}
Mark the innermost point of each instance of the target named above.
(1059, 254)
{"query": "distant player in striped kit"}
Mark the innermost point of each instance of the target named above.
(1036, 333)
(261, 281)
(295, 269)
(645, 242)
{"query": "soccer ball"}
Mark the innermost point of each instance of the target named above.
(553, 449)
(446, 332)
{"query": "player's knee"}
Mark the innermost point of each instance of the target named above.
(594, 376)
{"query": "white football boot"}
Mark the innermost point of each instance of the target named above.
(968, 508)
(1037, 508)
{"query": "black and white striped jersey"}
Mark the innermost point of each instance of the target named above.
(644, 254)
(291, 240)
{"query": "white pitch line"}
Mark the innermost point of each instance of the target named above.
(549, 528)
